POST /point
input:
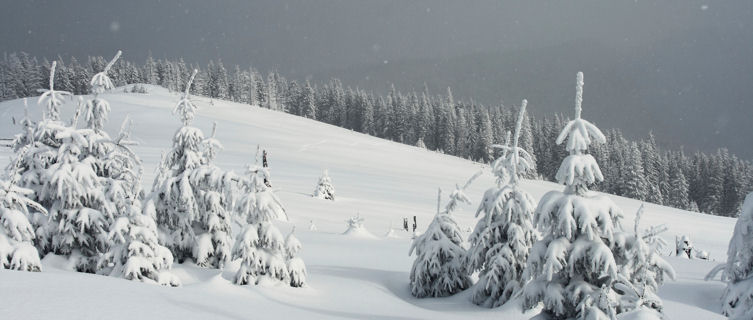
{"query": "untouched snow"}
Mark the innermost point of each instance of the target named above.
(348, 277)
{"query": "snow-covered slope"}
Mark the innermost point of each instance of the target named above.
(349, 277)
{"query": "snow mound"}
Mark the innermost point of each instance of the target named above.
(359, 232)
(356, 228)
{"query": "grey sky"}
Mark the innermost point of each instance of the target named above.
(698, 53)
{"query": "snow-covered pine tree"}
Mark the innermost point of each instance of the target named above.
(307, 102)
(78, 208)
(324, 188)
(260, 245)
(677, 195)
(446, 124)
(572, 267)
(98, 109)
(440, 269)
(134, 251)
(190, 194)
(356, 227)
(503, 237)
(60, 171)
(26, 136)
(296, 267)
(654, 169)
(634, 182)
(737, 300)
(483, 145)
(52, 98)
(17, 251)
(113, 161)
(642, 271)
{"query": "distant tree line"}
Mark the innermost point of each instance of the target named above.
(714, 183)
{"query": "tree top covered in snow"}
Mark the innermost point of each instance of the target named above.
(101, 81)
(185, 107)
(515, 161)
(579, 169)
(51, 98)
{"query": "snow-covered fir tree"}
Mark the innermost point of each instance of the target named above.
(355, 222)
(296, 267)
(79, 211)
(26, 136)
(634, 184)
(98, 109)
(572, 268)
(503, 237)
(17, 251)
(355, 227)
(60, 169)
(324, 188)
(52, 98)
(134, 251)
(260, 245)
(307, 102)
(420, 143)
(191, 195)
(737, 272)
(642, 270)
(440, 267)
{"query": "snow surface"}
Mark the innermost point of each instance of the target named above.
(348, 277)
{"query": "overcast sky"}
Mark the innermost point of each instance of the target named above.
(313, 37)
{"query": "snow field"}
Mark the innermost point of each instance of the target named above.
(349, 277)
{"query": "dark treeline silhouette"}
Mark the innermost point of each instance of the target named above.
(714, 183)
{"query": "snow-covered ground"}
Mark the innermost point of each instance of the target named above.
(349, 276)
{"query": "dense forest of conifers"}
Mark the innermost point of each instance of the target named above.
(714, 183)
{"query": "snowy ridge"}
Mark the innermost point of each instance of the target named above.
(347, 277)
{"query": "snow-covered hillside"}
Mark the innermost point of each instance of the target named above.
(349, 277)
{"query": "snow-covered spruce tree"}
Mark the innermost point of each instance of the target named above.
(324, 188)
(296, 267)
(60, 170)
(112, 160)
(26, 136)
(572, 268)
(78, 206)
(440, 268)
(503, 237)
(52, 98)
(97, 110)
(134, 251)
(642, 270)
(17, 250)
(260, 245)
(354, 223)
(737, 300)
(190, 194)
